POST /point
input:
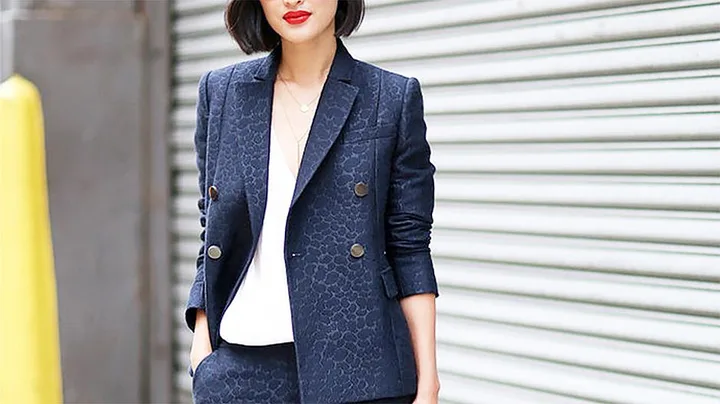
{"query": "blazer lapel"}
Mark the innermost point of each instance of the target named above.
(336, 101)
(252, 112)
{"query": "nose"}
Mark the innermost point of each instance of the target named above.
(292, 3)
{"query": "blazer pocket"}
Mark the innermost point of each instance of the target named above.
(389, 284)
(368, 132)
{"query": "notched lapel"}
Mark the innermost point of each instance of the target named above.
(333, 109)
(251, 112)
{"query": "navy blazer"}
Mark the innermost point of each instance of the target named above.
(358, 230)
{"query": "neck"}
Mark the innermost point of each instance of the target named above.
(308, 62)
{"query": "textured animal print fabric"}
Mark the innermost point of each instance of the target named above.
(255, 375)
(350, 257)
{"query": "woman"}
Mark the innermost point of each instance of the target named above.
(314, 282)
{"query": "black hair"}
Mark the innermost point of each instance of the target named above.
(246, 23)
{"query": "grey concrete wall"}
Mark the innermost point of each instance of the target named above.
(5, 40)
(102, 70)
(157, 86)
(102, 5)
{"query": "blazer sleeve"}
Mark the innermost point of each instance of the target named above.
(411, 200)
(196, 299)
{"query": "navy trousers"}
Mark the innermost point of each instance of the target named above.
(241, 374)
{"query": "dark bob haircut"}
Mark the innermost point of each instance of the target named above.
(246, 23)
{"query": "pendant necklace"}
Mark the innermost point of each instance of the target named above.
(297, 140)
(304, 107)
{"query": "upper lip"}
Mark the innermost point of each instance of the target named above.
(296, 14)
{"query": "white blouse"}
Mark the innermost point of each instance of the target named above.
(259, 314)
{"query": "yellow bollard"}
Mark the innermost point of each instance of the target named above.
(29, 337)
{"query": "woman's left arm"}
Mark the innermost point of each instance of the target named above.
(419, 311)
(408, 224)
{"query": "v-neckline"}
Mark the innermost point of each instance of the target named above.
(279, 150)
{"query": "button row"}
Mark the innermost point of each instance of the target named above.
(361, 189)
(356, 250)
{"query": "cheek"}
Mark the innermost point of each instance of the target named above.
(273, 12)
(277, 24)
(331, 10)
(324, 11)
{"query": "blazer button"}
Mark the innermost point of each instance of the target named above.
(357, 250)
(213, 192)
(361, 189)
(214, 252)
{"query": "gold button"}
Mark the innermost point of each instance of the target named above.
(357, 250)
(361, 189)
(214, 252)
(213, 192)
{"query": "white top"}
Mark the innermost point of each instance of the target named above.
(259, 314)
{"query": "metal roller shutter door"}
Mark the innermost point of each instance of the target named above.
(578, 195)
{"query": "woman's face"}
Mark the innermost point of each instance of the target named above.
(299, 21)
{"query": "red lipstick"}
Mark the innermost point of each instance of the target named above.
(296, 17)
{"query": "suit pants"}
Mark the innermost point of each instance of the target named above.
(242, 374)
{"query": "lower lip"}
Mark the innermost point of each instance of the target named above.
(297, 20)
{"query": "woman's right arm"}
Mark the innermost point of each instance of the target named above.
(201, 340)
(195, 308)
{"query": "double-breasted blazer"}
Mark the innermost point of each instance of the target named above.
(358, 229)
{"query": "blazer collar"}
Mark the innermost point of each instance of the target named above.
(250, 115)
(341, 69)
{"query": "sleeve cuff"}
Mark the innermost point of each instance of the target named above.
(415, 274)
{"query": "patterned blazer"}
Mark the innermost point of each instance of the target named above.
(358, 229)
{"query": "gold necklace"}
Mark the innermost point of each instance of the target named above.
(304, 107)
(297, 140)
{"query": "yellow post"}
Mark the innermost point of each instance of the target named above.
(29, 338)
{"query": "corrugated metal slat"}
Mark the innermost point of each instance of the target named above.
(577, 225)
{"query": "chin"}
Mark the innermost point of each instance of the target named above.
(299, 37)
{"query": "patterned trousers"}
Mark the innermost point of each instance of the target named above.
(241, 374)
